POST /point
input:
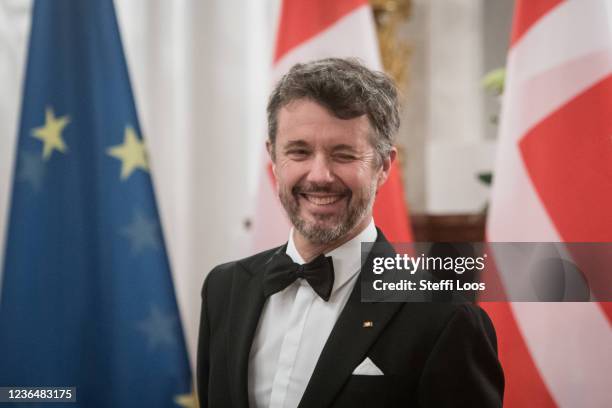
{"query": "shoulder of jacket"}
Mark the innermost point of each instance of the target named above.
(221, 275)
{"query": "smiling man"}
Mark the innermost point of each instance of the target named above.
(286, 327)
(327, 174)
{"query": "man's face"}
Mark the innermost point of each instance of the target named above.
(326, 170)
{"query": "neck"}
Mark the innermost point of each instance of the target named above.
(309, 250)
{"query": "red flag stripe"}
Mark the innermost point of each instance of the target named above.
(390, 209)
(527, 13)
(524, 385)
(568, 156)
(606, 307)
(313, 16)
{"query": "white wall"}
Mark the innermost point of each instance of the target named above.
(446, 130)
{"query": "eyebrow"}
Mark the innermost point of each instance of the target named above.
(291, 144)
(295, 143)
(344, 147)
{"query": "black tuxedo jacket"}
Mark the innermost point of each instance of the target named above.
(431, 354)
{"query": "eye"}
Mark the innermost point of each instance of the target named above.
(297, 153)
(344, 157)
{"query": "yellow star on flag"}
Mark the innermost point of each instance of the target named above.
(132, 153)
(187, 400)
(51, 133)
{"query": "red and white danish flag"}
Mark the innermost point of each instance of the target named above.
(553, 183)
(309, 30)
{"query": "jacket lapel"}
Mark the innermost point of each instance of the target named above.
(348, 342)
(246, 304)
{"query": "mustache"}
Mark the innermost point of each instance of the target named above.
(306, 188)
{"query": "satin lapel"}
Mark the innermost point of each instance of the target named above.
(347, 344)
(246, 303)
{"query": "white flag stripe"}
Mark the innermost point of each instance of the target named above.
(516, 214)
(569, 31)
(571, 344)
(516, 207)
(351, 36)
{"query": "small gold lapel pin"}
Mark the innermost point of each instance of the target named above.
(368, 324)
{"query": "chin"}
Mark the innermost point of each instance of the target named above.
(327, 222)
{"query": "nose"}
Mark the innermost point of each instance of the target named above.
(320, 170)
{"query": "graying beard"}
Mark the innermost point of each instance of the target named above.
(321, 236)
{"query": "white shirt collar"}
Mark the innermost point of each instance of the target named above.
(346, 258)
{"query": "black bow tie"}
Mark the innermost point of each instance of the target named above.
(281, 272)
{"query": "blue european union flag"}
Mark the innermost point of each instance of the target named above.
(87, 296)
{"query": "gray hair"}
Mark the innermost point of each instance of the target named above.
(348, 90)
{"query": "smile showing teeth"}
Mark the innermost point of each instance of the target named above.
(322, 200)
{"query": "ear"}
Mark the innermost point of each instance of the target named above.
(270, 148)
(386, 167)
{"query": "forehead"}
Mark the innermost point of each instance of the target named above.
(308, 121)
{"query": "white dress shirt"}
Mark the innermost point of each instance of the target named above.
(294, 326)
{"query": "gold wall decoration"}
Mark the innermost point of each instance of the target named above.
(389, 15)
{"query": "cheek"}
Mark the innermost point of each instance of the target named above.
(288, 173)
(358, 178)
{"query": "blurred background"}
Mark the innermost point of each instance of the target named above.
(201, 72)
